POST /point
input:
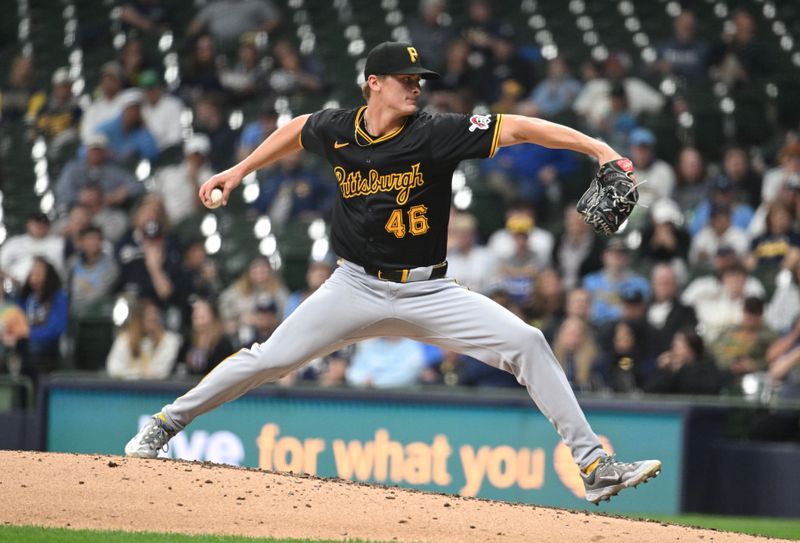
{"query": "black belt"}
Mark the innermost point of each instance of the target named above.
(406, 275)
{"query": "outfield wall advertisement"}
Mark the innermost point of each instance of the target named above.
(506, 452)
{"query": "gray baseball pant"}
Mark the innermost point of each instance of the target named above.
(352, 306)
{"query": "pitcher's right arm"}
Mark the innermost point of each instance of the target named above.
(280, 143)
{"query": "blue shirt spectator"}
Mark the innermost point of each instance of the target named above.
(684, 54)
(45, 305)
(722, 193)
(608, 284)
(386, 362)
(557, 91)
(525, 166)
(128, 137)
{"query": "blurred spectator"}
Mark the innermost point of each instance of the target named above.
(19, 97)
(145, 349)
(293, 73)
(14, 332)
(577, 352)
(736, 167)
(317, 273)
(473, 265)
(236, 302)
(292, 191)
(556, 93)
(607, 284)
(719, 307)
(658, 173)
(577, 251)
(200, 72)
(784, 374)
(594, 100)
(105, 105)
(197, 275)
(92, 274)
(738, 58)
(261, 323)
(685, 368)
(386, 362)
(112, 221)
(520, 216)
(258, 130)
(789, 195)
(18, 253)
(507, 99)
(471, 372)
(71, 227)
(227, 20)
(787, 173)
(627, 364)
(691, 179)
(133, 61)
(120, 188)
(777, 249)
(517, 271)
(247, 78)
(178, 184)
(45, 304)
(664, 239)
(149, 257)
(509, 67)
(723, 193)
(146, 16)
(129, 140)
(577, 303)
(479, 28)
(205, 345)
(210, 121)
(58, 121)
(430, 31)
(616, 125)
(684, 54)
(454, 90)
(634, 312)
(742, 349)
(720, 232)
(784, 306)
(161, 111)
(545, 306)
(531, 173)
(665, 312)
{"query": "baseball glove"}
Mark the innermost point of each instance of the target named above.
(610, 198)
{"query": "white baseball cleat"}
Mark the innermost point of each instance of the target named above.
(153, 437)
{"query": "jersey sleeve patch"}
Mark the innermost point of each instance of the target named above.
(457, 137)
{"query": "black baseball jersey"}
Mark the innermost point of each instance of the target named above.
(394, 191)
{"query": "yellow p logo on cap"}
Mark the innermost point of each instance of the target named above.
(413, 54)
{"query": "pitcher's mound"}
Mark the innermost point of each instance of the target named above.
(115, 493)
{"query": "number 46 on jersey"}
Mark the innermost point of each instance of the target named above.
(417, 222)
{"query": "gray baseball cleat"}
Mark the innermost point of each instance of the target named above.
(611, 476)
(153, 437)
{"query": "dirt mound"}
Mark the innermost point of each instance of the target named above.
(110, 492)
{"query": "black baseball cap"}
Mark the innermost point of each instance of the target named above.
(391, 57)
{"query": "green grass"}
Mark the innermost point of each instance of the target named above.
(780, 528)
(33, 534)
(771, 527)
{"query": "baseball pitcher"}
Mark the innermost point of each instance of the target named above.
(393, 165)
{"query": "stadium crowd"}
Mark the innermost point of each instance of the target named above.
(699, 294)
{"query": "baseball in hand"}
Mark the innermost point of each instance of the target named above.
(216, 199)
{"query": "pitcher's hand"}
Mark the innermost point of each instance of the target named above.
(225, 181)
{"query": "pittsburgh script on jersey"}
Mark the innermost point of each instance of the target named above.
(354, 184)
